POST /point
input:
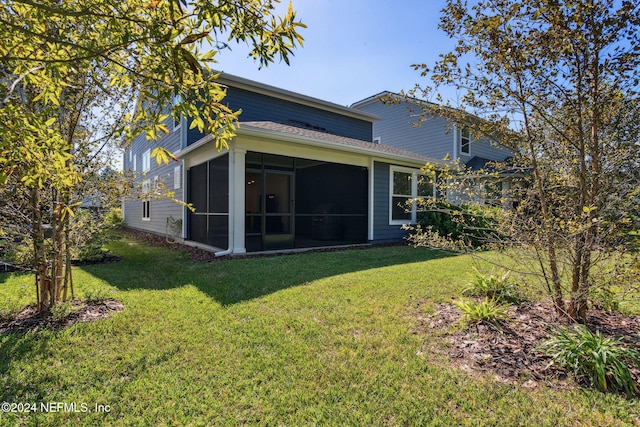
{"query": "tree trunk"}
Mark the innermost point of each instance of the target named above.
(43, 284)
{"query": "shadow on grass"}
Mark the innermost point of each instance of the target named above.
(241, 279)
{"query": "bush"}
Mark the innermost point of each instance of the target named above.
(604, 298)
(98, 294)
(599, 361)
(487, 312)
(497, 288)
(90, 232)
(113, 218)
(61, 310)
(458, 223)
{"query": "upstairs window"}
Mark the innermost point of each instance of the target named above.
(146, 161)
(465, 141)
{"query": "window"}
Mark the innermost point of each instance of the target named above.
(130, 155)
(146, 161)
(402, 185)
(465, 141)
(146, 201)
(406, 186)
(176, 177)
(135, 160)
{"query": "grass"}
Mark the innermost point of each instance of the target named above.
(309, 339)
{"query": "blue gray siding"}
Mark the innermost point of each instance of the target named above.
(382, 231)
(259, 107)
(162, 208)
(401, 127)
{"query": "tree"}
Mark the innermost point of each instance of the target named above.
(558, 82)
(77, 76)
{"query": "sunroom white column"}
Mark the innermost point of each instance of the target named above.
(237, 200)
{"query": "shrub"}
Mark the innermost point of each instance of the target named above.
(494, 287)
(599, 361)
(90, 232)
(61, 310)
(462, 223)
(113, 218)
(487, 312)
(98, 294)
(604, 298)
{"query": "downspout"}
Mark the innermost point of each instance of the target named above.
(454, 157)
(455, 143)
(371, 215)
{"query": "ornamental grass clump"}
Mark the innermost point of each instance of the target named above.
(599, 361)
(498, 288)
(486, 312)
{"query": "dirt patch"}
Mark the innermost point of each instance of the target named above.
(510, 353)
(82, 311)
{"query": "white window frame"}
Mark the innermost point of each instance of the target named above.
(415, 176)
(146, 161)
(135, 160)
(177, 177)
(146, 200)
(466, 138)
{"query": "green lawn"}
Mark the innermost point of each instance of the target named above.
(309, 339)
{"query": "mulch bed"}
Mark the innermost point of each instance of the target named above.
(83, 311)
(509, 353)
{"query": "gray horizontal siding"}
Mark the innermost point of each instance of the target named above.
(401, 128)
(382, 231)
(160, 209)
(258, 107)
(485, 149)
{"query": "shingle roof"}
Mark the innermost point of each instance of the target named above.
(319, 136)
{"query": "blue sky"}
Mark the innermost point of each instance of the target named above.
(353, 49)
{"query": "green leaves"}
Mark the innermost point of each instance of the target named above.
(600, 361)
(487, 312)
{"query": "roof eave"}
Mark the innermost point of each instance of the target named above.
(283, 136)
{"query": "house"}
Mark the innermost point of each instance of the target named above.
(301, 172)
(405, 125)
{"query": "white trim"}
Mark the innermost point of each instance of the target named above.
(377, 140)
(146, 161)
(415, 176)
(372, 192)
(237, 190)
(413, 173)
(455, 143)
(334, 146)
(177, 177)
(146, 192)
(470, 138)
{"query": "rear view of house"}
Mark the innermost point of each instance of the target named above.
(300, 173)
